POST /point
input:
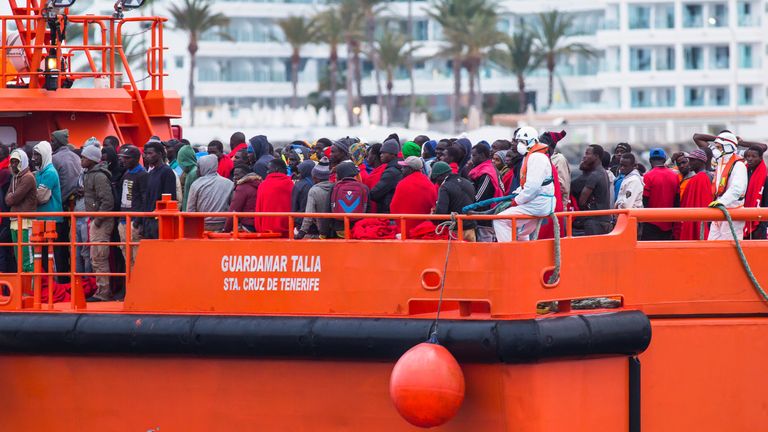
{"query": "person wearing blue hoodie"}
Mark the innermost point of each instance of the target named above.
(261, 150)
(429, 155)
(49, 200)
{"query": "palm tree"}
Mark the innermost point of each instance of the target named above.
(298, 31)
(453, 16)
(519, 57)
(480, 35)
(412, 99)
(370, 8)
(551, 32)
(196, 18)
(349, 12)
(393, 52)
(330, 31)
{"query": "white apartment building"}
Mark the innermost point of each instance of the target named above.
(665, 67)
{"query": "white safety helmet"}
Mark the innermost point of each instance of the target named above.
(527, 135)
(729, 142)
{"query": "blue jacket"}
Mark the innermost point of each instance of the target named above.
(49, 178)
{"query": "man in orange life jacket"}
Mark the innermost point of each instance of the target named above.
(536, 194)
(730, 182)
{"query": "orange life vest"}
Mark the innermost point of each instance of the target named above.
(537, 148)
(718, 189)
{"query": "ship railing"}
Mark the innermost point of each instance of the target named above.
(104, 58)
(175, 225)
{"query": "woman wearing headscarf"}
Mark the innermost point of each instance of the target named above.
(357, 156)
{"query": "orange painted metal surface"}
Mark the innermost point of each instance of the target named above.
(193, 394)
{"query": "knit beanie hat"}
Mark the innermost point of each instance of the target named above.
(429, 148)
(357, 153)
(322, 171)
(552, 138)
(342, 145)
(62, 136)
(346, 169)
(92, 141)
(92, 153)
(390, 146)
(438, 169)
(410, 148)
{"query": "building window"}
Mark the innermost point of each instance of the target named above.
(718, 15)
(639, 17)
(639, 59)
(720, 57)
(694, 96)
(719, 96)
(665, 97)
(693, 58)
(745, 56)
(421, 33)
(746, 95)
(746, 14)
(665, 58)
(665, 16)
(693, 15)
(179, 61)
(640, 98)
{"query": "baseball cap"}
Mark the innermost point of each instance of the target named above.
(412, 162)
(657, 153)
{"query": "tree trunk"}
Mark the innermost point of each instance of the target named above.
(390, 101)
(192, 66)
(456, 94)
(551, 71)
(350, 85)
(479, 92)
(471, 72)
(371, 29)
(358, 74)
(412, 99)
(332, 72)
(522, 98)
(295, 61)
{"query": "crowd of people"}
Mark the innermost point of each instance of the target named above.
(524, 176)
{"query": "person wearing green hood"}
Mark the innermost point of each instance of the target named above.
(410, 148)
(188, 164)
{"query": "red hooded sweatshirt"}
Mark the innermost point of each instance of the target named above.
(274, 196)
(415, 194)
(225, 166)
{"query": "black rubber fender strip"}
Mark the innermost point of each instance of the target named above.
(624, 333)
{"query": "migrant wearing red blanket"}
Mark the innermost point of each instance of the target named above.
(371, 180)
(274, 196)
(225, 166)
(754, 195)
(698, 193)
(415, 194)
(487, 168)
(241, 146)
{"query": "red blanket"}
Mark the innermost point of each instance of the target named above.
(754, 195)
(415, 194)
(426, 231)
(487, 168)
(225, 166)
(370, 180)
(373, 229)
(237, 148)
(63, 292)
(274, 196)
(698, 193)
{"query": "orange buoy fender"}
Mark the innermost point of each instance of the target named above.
(427, 385)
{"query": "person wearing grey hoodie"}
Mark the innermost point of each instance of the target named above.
(98, 197)
(318, 201)
(210, 193)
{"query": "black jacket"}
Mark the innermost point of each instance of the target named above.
(384, 190)
(161, 180)
(455, 193)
